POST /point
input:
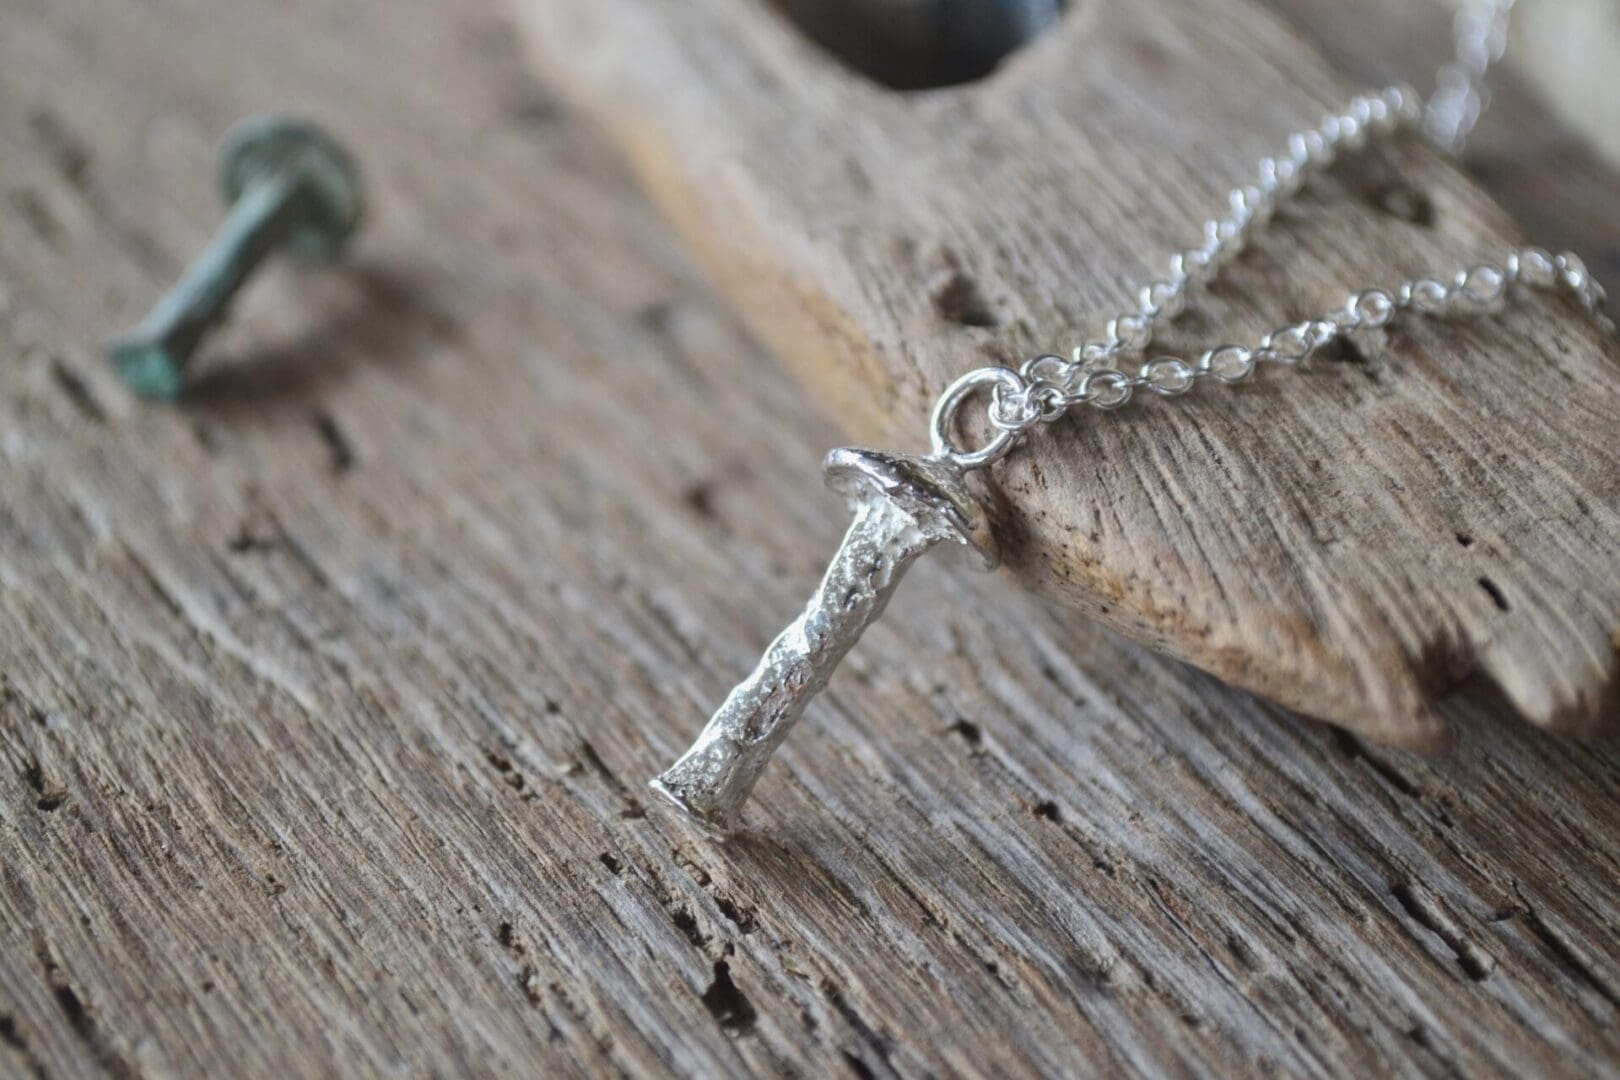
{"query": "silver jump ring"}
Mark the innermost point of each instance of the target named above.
(950, 402)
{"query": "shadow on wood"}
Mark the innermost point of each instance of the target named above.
(356, 313)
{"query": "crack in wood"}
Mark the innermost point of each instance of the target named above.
(156, 587)
(1354, 749)
(339, 450)
(870, 1037)
(633, 809)
(1563, 952)
(78, 392)
(81, 1018)
(1424, 909)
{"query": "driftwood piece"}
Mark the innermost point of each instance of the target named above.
(327, 698)
(1352, 542)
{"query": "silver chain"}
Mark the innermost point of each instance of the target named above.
(1044, 388)
(1460, 97)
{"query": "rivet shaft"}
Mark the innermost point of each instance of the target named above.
(153, 358)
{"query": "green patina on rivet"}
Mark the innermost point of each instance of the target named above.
(291, 187)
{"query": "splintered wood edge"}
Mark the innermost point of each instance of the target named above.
(1351, 544)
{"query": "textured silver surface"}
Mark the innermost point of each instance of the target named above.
(903, 506)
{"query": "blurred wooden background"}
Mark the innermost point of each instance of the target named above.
(328, 696)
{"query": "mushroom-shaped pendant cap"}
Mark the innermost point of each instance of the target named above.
(933, 492)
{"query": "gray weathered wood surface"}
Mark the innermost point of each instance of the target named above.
(328, 697)
(1353, 541)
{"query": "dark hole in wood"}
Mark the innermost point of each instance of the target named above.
(727, 1004)
(9, 1035)
(687, 924)
(957, 297)
(1403, 201)
(1047, 809)
(340, 451)
(860, 1069)
(920, 44)
(1495, 592)
(1345, 351)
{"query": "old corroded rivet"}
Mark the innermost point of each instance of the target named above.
(289, 185)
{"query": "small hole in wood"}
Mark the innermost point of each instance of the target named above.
(921, 44)
(340, 452)
(687, 924)
(957, 297)
(727, 1004)
(1494, 591)
(1048, 810)
(860, 1069)
(1403, 201)
(1346, 351)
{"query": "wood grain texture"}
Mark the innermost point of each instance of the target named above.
(1441, 503)
(326, 700)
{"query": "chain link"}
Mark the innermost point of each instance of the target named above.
(1045, 388)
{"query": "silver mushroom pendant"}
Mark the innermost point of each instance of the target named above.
(903, 506)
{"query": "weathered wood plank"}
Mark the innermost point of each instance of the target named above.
(327, 698)
(1353, 542)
